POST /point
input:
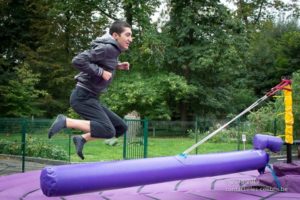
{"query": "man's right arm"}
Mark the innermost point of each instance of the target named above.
(86, 60)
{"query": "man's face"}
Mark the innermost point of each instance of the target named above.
(124, 39)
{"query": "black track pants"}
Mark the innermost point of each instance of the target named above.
(104, 123)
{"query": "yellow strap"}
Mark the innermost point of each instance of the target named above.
(288, 117)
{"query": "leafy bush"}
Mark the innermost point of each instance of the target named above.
(224, 136)
(263, 119)
(34, 148)
(231, 134)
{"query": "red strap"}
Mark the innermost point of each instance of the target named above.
(280, 86)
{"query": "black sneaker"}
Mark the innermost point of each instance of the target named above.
(58, 125)
(79, 141)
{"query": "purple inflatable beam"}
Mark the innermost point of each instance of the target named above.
(90, 177)
(266, 141)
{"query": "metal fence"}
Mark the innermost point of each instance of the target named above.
(24, 144)
(136, 140)
(25, 141)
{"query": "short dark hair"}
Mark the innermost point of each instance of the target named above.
(118, 27)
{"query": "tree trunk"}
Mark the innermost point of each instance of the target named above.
(128, 12)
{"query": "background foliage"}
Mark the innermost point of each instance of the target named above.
(196, 58)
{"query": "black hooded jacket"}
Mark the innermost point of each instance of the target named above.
(103, 55)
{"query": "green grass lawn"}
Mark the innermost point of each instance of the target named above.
(175, 146)
(97, 150)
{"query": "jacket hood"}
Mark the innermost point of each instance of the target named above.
(105, 39)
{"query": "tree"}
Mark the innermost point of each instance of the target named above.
(287, 51)
(153, 96)
(66, 28)
(296, 105)
(20, 98)
(206, 48)
(273, 54)
(19, 38)
(253, 12)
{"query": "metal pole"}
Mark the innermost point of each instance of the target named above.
(239, 136)
(69, 143)
(145, 138)
(289, 153)
(125, 144)
(23, 145)
(275, 127)
(196, 132)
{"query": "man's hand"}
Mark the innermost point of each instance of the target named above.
(106, 75)
(123, 66)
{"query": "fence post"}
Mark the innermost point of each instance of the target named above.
(275, 126)
(196, 133)
(70, 137)
(124, 145)
(23, 144)
(145, 138)
(239, 134)
(133, 146)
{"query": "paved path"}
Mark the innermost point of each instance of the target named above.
(12, 166)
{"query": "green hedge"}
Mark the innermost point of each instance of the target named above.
(34, 148)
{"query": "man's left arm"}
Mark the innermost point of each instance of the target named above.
(123, 66)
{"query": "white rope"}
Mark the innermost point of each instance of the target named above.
(222, 127)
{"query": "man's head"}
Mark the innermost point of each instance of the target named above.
(121, 32)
